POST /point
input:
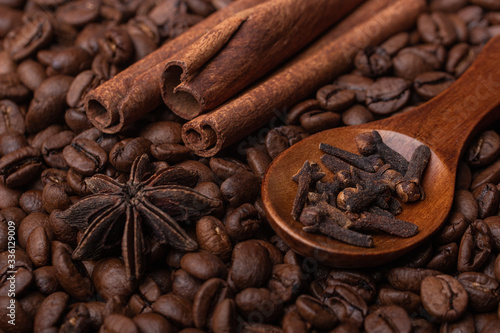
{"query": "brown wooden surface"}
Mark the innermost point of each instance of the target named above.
(445, 124)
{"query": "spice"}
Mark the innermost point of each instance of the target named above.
(409, 188)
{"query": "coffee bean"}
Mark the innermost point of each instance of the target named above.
(12, 88)
(445, 258)
(51, 311)
(118, 323)
(415, 60)
(46, 280)
(116, 46)
(389, 318)
(23, 280)
(11, 141)
(490, 174)
(430, 84)
(52, 149)
(38, 247)
(185, 285)
(124, 152)
(475, 247)
(488, 199)
(404, 299)
(493, 223)
(78, 13)
(258, 305)
(35, 33)
(251, 265)
(203, 265)
(287, 281)
(106, 141)
(357, 83)
(409, 279)
(163, 132)
(487, 4)
(465, 324)
(387, 95)
(209, 295)
(8, 197)
(85, 156)
(31, 302)
(227, 167)
(170, 152)
(443, 297)
(319, 120)
(30, 223)
(12, 119)
(483, 291)
(453, 229)
(9, 19)
(447, 5)
(436, 28)
(212, 237)
(175, 308)
(243, 222)
(205, 174)
(334, 98)
(347, 305)
(465, 203)
(68, 61)
(484, 150)
(292, 118)
(373, 61)
(281, 138)
(109, 279)
(357, 115)
(363, 284)
(258, 160)
(241, 188)
(395, 43)
(152, 322)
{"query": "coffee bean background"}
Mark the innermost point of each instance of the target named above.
(243, 278)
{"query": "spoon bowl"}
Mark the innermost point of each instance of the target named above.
(445, 124)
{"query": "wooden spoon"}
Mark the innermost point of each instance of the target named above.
(445, 124)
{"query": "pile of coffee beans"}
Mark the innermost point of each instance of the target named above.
(243, 278)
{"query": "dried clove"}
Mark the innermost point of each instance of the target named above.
(409, 188)
(308, 175)
(360, 198)
(387, 224)
(370, 143)
(367, 163)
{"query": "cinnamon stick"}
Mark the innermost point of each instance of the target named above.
(135, 91)
(242, 49)
(319, 64)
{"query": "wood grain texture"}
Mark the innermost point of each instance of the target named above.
(445, 124)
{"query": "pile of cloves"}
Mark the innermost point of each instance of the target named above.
(364, 195)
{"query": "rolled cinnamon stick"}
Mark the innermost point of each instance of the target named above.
(242, 49)
(327, 58)
(135, 91)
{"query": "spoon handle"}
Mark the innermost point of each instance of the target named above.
(446, 122)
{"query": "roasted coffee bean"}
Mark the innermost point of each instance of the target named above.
(43, 135)
(287, 281)
(170, 152)
(243, 222)
(124, 152)
(51, 311)
(387, 95)
(31, 302)
(453, 229)
(281, 138)
(212, 236)
(72, 275)
(443, 297)
(363, 284)
(31, 74)
(436, 28)
(405, 299)
(13, 311)
(38, 247)
(334, 98)
(77, 319)
(490, 174)
(493, 223)
(119, 323)
(445, 258)
(109, 279)
(409, 279)
(460, 58)
(18, 282)
(29, 223)
(357, 115)
(373, 61)
(68, 61)
(203, 265)
(389, 318)
(224, 316)
(357, 83)
(184, 284)
(293, 323)
(274, 254)
(488, 199)
(163, 132)
(251, 265)
(106, 141)
(419, 257)
(465, 203)
(484, 150)
(175, 308)
(81, 85)
(77, 119)
(20, 167)
(12, 119)
(430, 84)
(55, 176)
(11, 141)
(475, 247)
(465, 324)
(258, 305)
(241, 188)
(447, 5)
(53, 147)
(85, 156)
(319, 120)
(9, 19)
(487, 4)
(483, 291)
(12, 88)
(258, 160)
(395, 43)
(77, 183)
(103, 68)
(54, 196)
(346, 304)
(205, 174)
(227, 167)
(152, 322)
(292, 118)
(210, 294)
(415, 60)
(35, 33)
(46, 280)
(78, 13)
(8, 197)
(116, 46)
(48, 104)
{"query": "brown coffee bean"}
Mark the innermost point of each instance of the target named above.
(346, 304)
(430, 84)
(162, 132)
(212, 236)
(465, 203)
(68, 61)
(241, 188)
(475, 247)
(389, 318)
(11, 141)
(210, 294)
(205, 174)
(293, 116)
(483, 291)
(170, 152)
(31, 74)
(357, 115)
(72, 275)
(31, 201)
(409, 279)
(31, 302)
(12, 88)
(415, 60)
(43, 135)
(293, 323)
(373, 61)
(12, 119)
(51, 311)
(38, 247)
(387, 95)
(487, 4)
(152, 322)
(124, 152)
(30, 223)
(224, 316)
(357, 83)
(436, 28)
(10, 310)
(465, 324)
(243, 222)
(334, 98)
(445, 258)
(447, 5)
(46, 280)
(443, 297)
(395, 43)
(258, 160)
(251, 265)
(405, 299)
(78, 13)
(280, 138)
(493, 223)
(227, 167)
(484, 150)
(118, 323)
(109, 279)
(203, 265)
(175, 308)
(81, 85)
(488, 199)
(35, 33)
(106, 141)
(62, 231)
(258, 305)
(287, 281)
(22, 260)
(85, 156)
(17, 283)
(453, 229)
(48, 104)
(460, 58)
(116, 46)
(490, 174)
(362, 284)
(319, 120)
(184, 284)
(55, 197)
(9, 18)
(52, 149)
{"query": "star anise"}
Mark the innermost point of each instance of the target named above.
(146, 205)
